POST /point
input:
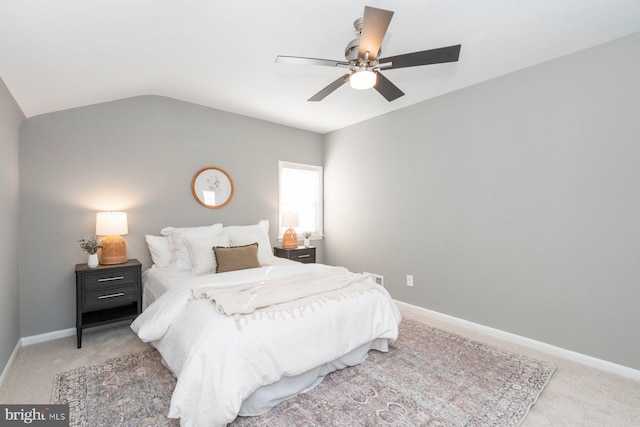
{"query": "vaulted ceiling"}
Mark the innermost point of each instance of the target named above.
(62, 54)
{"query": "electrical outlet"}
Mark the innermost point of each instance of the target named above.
(379, 279)
(409, 280)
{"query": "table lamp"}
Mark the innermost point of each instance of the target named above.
(112, 225)
(290, 238)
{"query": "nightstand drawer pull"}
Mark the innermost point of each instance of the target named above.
(304, 256)
(109, 279)
(119, 294)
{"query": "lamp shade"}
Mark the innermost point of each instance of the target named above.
(290, 219)
(111, 224)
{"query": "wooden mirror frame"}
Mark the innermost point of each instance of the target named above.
(214, 181)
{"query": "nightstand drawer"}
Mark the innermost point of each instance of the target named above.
(304, 255)
(300, 254)
(105, 279)
(109, 297)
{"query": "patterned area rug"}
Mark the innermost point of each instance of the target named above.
(429, 377)
(132, 390)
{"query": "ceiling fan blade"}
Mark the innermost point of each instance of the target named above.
(425, 57)
(298, 60)
(330, 88)
(386, 88)
(374, 27)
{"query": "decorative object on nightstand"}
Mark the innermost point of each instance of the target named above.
(91, 247)
(290, 238)
(112, 225)
(304, 255)
(107, 294)
(306, 243)
(92, 261)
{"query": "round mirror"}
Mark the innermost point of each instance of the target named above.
(212, 187)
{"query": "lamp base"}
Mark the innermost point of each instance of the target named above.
(114, 250)
(289, 239)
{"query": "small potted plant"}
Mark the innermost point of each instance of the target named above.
(307, 234)
(91, 247)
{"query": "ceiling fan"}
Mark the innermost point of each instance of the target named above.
(363, 58)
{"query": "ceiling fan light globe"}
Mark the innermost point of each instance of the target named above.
(365, 79)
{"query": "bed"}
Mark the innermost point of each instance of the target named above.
(241, 341)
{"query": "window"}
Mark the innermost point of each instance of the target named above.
(301, 193)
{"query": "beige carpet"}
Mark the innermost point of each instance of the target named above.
(577, 396)
(428, 377)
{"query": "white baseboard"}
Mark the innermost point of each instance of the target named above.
(573, 356)
(35, 339)
(12, 358)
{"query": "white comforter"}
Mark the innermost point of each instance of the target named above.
(220, 360)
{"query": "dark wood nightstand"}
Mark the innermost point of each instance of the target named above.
(107, 294)
(300, 254)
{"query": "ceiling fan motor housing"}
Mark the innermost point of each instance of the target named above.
(351, 51)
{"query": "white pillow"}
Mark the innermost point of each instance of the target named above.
(180, 257)
(243, 229)
(241, 235)
(159, 249)
(203, 259)
(265, 253)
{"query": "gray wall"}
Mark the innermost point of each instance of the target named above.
(514, 203)
(10, 118)
(137, 155)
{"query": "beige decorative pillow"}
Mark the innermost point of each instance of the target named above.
(236, 257)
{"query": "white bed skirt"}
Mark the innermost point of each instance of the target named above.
(270, 395)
